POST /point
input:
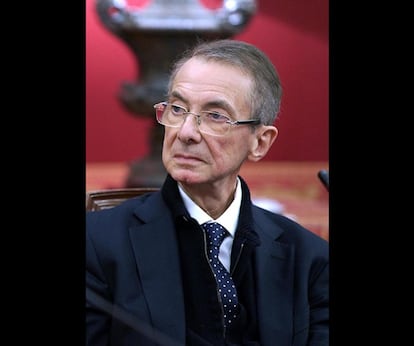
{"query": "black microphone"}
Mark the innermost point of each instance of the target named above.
(323, 176)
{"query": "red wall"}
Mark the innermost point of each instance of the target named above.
(294, 34)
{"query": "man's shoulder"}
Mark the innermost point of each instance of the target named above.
(285, 227)
(130, 210)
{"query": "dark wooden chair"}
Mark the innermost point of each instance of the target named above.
(108, 198)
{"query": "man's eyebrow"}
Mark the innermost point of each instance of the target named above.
(177, 95)
(219, 103)
(215, 103)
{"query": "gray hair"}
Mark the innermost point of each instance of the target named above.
(266, 92)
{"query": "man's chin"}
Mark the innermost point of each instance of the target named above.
(186, 176)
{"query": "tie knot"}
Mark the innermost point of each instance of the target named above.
(215, 233)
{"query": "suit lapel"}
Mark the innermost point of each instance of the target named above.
(274, 268)
(159, 271)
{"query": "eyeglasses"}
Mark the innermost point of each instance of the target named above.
(211, 123)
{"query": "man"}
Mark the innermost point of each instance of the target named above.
(150, 278)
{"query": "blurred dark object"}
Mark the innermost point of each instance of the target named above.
(108, 198)
(323, 176)
(157, 33)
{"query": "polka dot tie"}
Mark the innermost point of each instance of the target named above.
(215, 234)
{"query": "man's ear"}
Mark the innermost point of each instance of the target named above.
(265, 137)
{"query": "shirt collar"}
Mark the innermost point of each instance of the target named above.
(228, 219)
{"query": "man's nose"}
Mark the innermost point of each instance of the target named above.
(189, 128)
(192, 120)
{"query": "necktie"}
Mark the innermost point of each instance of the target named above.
(215, 234)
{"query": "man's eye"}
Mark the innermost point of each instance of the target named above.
(177, 110)
(216, 116)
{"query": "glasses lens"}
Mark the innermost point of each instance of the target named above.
(213, 123)
(169, 115)
(159, 112)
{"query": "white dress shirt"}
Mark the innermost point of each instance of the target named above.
(228, 220)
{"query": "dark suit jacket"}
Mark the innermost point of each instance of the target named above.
(133, 278)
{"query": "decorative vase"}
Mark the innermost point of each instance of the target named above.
(157, 33)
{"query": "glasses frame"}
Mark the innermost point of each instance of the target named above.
(198, 116)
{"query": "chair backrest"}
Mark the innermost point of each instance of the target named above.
(108, 198)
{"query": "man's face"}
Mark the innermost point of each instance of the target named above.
(192, 157)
